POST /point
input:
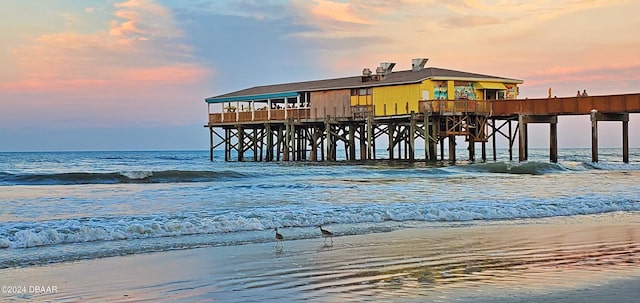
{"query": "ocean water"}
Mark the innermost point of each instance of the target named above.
(66, 206)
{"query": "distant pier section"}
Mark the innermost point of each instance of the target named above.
(308, 121)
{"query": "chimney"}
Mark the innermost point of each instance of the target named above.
(418, 64)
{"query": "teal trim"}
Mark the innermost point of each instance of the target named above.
(251, 97)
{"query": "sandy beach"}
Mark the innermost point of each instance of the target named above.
(573, 259)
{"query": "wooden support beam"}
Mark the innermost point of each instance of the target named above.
(594, 136)
(472, 149)
(625, 141)
(285, 142)
(373, 147)
(553, 142)
(269, 134)
(522, 139)
(227, 146)
(391, 129)
(493, 137)
(352, 141)
(279, 144)
(511, 140)
(330, 155)
(452, 148)
(240, 144)
(370, 140)
(538, 119)
(293, 138)
(255, 143)
(412, 137)
(427, 139)
(484, 151)
(363, 141)
(322, 147)
(211, 144)
(315, 137)
(434, 139)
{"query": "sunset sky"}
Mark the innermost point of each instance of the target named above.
(133, 75)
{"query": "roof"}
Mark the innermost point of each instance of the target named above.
(394, 78)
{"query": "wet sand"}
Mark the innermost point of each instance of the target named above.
(576, 259)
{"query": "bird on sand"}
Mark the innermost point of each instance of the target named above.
(326, 234)
(279, 237)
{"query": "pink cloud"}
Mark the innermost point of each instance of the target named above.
(107, 77)
(134, 44)
(175, 74)
(608, 73)
(336, 11)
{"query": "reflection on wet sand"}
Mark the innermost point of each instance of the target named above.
(433, 263)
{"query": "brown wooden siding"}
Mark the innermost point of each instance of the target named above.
(334, 103)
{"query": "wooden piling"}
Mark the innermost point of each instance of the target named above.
(522, 139)
(211, 143)
(452, 148)
(553, 142)
(411, 136)
(625, 140)
(594, 136)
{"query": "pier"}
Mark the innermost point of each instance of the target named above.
(312, 121)
(300, 134)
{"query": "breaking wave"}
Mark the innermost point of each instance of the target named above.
(530, 168)
(35, 234)
(167, 176)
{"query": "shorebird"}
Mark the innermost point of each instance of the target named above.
(326, 234)
(279, 237)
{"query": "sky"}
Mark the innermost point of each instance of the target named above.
(133, 74)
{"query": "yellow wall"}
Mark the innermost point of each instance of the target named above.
(361, 100)
(402, 99)
(451, 90)
(398, 99)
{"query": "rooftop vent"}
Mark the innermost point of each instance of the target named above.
(387, 67)
(366, 74)
(418, 64)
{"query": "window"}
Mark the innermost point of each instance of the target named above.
(365, 91)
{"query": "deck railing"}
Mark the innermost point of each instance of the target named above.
(626, 103)
(456, 106)
(431, 106)
(260, 115)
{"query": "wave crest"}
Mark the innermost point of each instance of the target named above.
(167, 176)
(530, 168)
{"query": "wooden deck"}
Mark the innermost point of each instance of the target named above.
(628, 103)
(431, 107)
